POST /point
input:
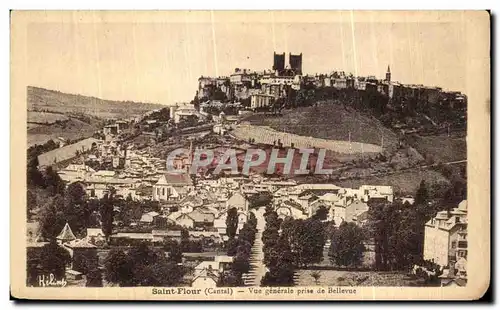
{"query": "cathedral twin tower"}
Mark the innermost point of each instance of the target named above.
(294, 61)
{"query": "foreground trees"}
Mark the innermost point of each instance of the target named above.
(52, 259)
(306, 239)
(142, 266)
(398, 233)
(347, 245)
(277, 253)
(240, 248)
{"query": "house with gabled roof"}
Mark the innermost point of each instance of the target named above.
(172, 187)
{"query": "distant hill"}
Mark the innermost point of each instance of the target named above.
(53, 114)
(40, 99)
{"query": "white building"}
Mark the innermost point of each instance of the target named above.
(446, 236)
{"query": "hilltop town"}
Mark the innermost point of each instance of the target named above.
(392, 212)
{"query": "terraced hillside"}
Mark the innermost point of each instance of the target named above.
(329, 121)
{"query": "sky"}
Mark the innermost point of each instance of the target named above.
(160, 60)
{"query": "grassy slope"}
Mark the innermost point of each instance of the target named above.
(72, 129)
(69, 104)
(441, 148)
(329, 121)
(44, 99)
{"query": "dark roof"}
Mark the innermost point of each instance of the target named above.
(294, 204)
(200, 217)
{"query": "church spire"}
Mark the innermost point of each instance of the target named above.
(388, 74)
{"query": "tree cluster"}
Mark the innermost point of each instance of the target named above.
(143, 266)
(347, 245)
(397, 230)
(278, 255)
(51, 259)
(240, 248)
(70, 207)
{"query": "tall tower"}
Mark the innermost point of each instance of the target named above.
(279, 62)
(388, 74)
(295, 62)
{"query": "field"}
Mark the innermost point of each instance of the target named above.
(404, 183)
(353, 278)
(269, 136)
(71, 129)
(329, 121)
(45, 117)
(53, 101)
(441, 148)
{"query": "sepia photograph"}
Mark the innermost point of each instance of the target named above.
(243, 155)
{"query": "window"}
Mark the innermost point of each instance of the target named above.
(453, 244)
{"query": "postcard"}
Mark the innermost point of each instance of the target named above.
(250, 155)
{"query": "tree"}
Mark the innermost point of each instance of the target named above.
(347, 245)
(33, 176)
(54, 259)
(118, 268)
(398, 233)
(53, 181)
(175, 254)
(315, 275)
(150, 267)
(230, 279)
(321, 213)
(185, 242)
(260, 200)
(307, 240)
(422, 195)
(94, 278)
(231, 222)
(76, 210)
(106, 211)
(52, 218)
(232, 246)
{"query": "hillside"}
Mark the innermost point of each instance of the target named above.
(329, 121)
(40, 99)
(53, 114)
